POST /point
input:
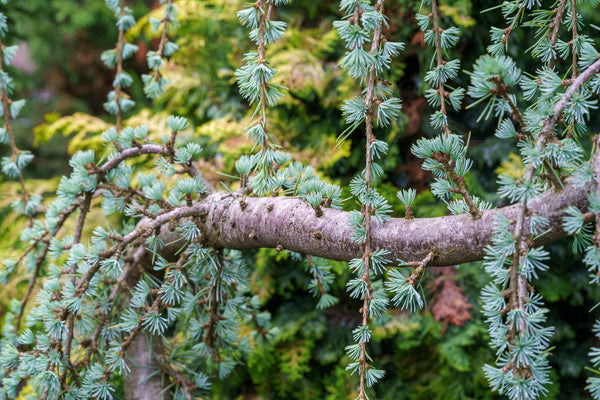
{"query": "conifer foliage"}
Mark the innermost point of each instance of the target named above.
(168, 269)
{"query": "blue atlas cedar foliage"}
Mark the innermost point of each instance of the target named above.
(207, 290)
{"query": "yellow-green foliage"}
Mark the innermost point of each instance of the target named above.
(228, 136)
(11, 223)
(295, 358)
(301, 68)
(202, 24)
(512, 167)
(399, 323)
(187, 10)
(82, 129)
(301, 72)
(460, 12)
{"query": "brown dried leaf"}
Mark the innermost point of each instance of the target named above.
(449, 303)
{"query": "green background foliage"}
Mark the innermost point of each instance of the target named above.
(425, 357)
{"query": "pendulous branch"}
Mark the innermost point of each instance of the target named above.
(292, 224)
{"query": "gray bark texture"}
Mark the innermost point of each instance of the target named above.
(292, 224)
(145, 381)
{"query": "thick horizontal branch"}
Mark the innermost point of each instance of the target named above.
(292, 224)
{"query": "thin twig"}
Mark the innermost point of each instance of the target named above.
(118, 91)
(84, 208)
(555, 26)
(163, 40)
(419, 269)
(440, 62)
(40, 259)
(311, 264)
(574, 36)
(367, 209)
(6, 102)
(525, 128)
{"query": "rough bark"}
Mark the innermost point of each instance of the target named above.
(145, 381)
(292, 224)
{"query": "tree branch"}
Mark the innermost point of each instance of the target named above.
(144, 382)
(292, 224)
